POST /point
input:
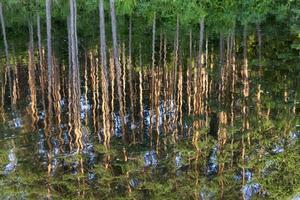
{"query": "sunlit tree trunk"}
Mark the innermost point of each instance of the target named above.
(75, 78)
(180, 98)
(104, 73)
(117, 64)
(123, 61)
(85, 77)
(245, 100)
(295, 103)
(206, 81)
(112, 87)
(141, 92)
(15, 81)
(31, 79)
(93, 89)
(175, 81)
(70, 87)
(56, 88)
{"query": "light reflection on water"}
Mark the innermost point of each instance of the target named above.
(169, 152)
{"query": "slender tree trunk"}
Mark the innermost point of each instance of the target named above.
(112, 79)
(166, 83)
(188, 74)
(151, 98)
(104, 72)
(245, 82)
(31, 79)
(201, 36)
(130, 70)
(221, 65)
(221, 45)
(188, 79)
(76, 94)
(41, 61)
(85, 77)
(259, 92)
(153, 40)
(15, 81)
(117, 64)
(176, 52)
(8, 67)
(49, 60)
(141, 91)
(206, 82)
(123, 61)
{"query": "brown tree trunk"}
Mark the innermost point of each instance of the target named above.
(31, 79)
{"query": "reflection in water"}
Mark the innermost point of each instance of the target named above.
(31, 79)
(155, 125)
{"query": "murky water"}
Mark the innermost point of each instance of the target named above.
(188, 133)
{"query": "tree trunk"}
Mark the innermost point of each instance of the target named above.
(132, 102)
(176, 49)
(130, 70)
(141, 91)
(49, 60)
(117, 64)
(8, 68)
(31, 79)
(220, 68)
(104, 72)
(76, 94)
(41, 61)
(201, 36)
(245, 82)
(259, 92)
(153, 40)
(221, 62)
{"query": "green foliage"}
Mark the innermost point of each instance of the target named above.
(126, 7)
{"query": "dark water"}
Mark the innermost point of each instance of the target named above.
(233, 147)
